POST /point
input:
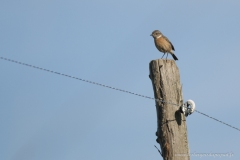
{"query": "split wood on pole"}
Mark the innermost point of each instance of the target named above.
(171, 124)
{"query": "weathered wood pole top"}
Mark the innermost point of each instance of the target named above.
(171, 124)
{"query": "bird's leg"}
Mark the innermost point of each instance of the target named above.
(163, 55)
(167, 55)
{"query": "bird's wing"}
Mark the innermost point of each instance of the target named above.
(169, 42)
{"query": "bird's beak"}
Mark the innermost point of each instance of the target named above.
(150, 34)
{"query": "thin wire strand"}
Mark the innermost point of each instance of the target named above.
(84, 80)
(121, 90)
(217, 120)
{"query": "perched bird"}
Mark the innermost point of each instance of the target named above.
(163, 44)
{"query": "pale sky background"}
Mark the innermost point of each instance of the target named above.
(45, 116)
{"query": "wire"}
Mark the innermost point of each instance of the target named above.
(217, 120)
(121, 90)
(84, 80)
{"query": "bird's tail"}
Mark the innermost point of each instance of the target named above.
(174, 57)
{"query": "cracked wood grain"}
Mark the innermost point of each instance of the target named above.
(171, 124)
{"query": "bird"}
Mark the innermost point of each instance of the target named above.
(163, 44)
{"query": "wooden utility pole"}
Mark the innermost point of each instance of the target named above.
(171, 124)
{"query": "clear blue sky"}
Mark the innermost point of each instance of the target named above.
(45, 116)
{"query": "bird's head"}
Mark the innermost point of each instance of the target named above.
(156, 34)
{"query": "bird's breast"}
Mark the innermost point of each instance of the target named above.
(162, 45)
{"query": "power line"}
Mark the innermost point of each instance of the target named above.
(84, 80)
(121, 90)
(217, 120)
